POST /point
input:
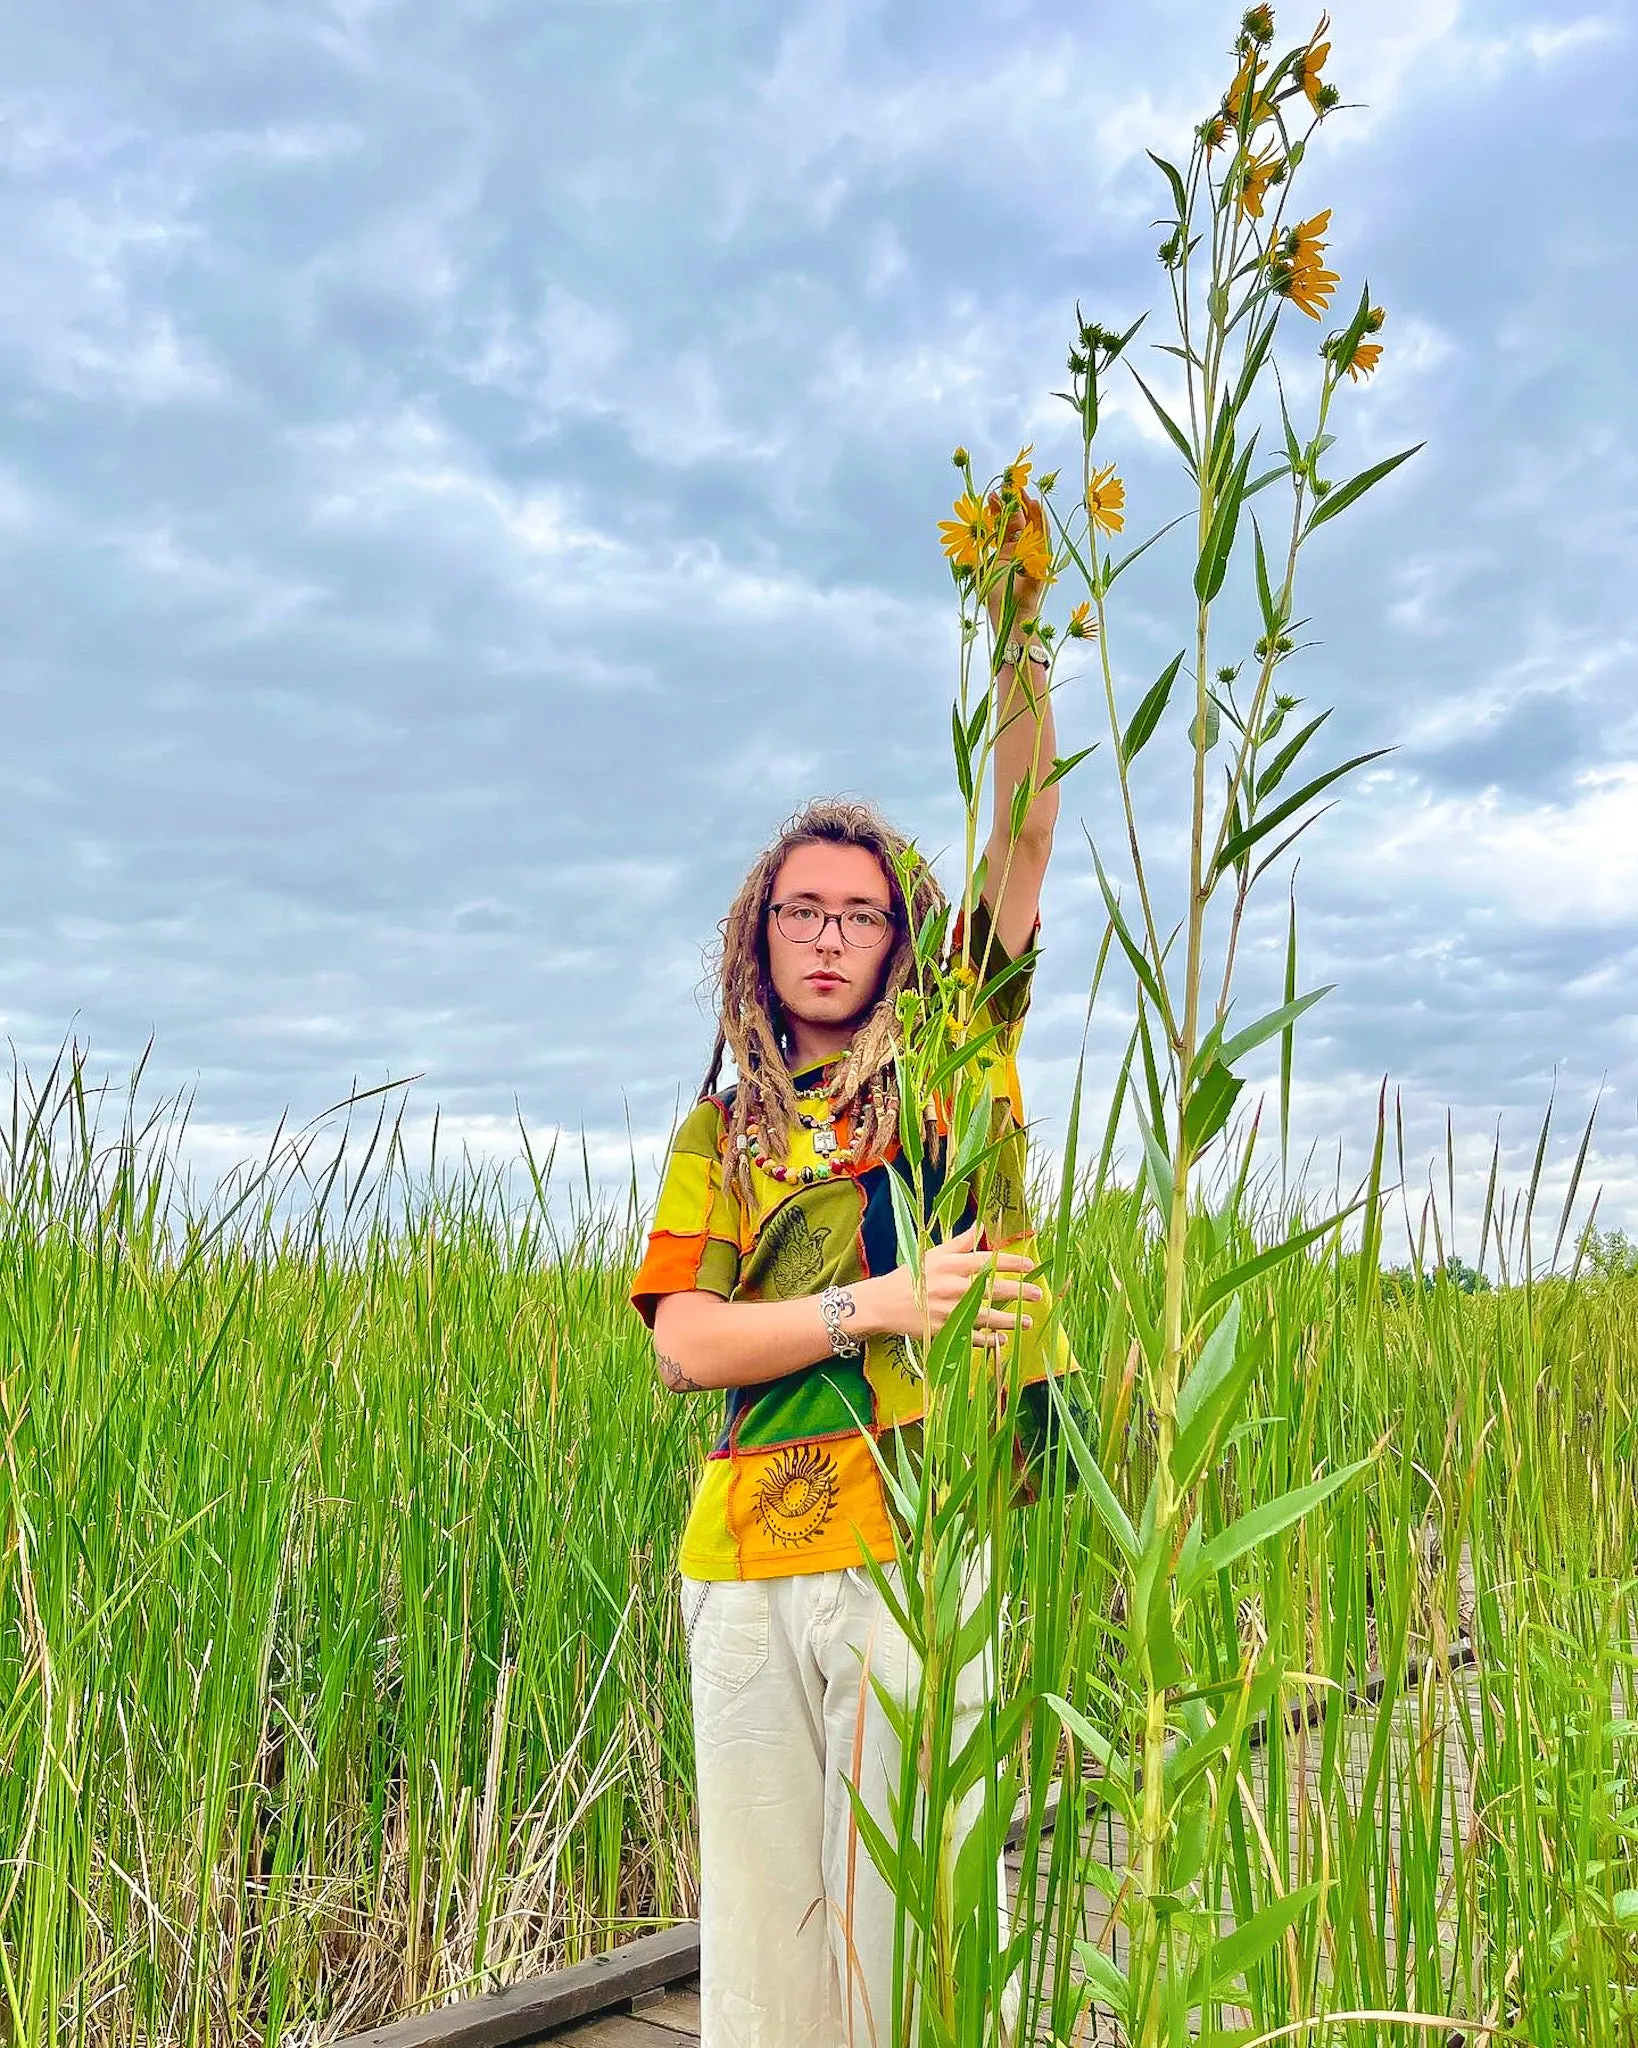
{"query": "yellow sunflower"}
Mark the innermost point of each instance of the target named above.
(1310, 65)
(1031, 550)
(1082, 625)
(1365, 359)
(965, 537)
(1016, 474)
(1106, 501)
(1260, 172)
(1244, 86)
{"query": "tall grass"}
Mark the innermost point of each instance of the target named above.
(338, 1647)
(336, 1521)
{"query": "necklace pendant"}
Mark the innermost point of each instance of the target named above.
(824, 1140)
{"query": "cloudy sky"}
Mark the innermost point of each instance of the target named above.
(470, 468)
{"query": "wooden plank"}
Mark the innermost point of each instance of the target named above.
(678, 2009)
(627, 2030)
(523, 2012)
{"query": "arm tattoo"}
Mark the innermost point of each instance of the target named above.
(674, 1376)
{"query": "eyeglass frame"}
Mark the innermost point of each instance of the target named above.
(828, 917)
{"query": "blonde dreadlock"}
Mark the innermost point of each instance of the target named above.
(752, 1028)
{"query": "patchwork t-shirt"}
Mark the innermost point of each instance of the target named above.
(791, 1485)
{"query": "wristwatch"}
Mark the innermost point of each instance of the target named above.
(835, 1304)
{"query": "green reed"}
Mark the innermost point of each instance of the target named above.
(338, 1648)
(337, 1514)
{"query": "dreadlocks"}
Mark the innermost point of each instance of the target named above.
(752, 1027)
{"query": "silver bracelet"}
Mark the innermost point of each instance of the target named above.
(835, 1303)
(1017, 651)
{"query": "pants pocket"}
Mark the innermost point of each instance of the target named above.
(727, 1630)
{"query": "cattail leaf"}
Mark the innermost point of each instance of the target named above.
(1148, 714)
(1345, 495)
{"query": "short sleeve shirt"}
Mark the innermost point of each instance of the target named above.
(791, 1484)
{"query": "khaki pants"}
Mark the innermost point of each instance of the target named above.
(796, 1923)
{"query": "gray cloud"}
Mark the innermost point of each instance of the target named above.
(468, 470)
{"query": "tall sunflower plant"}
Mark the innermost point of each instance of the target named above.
(1191, 1947)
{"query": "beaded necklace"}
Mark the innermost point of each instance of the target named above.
(833, 1158)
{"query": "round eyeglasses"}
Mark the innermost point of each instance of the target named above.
(863, 925)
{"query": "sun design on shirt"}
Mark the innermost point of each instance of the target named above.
(897, 1351)
(797, 1494)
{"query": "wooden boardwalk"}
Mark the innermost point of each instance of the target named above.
(646, 1994)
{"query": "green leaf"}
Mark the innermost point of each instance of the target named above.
(1148, 714)
(1179, 440)
(1256, 356)
(1265, 591)
(1237, 1953)
(1288, 1032)
(1081, 1728)
(1160, 1167)
(963, 757)
(1180, 197)
(1101, 1494)
(1023, 796)
(1272, 1519)
(1264, 1262)
(906, 1223)
(1265, 822)
(1345, 494)
(1270, 777)
(1205, 734)
(1208, 1398)
(1115, 569)
(1209, 1106)
(1276, 1020)
(1062, 765)
(1107, 1980)
(1212, 566)
(1166, 1664)
(1140, 966)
